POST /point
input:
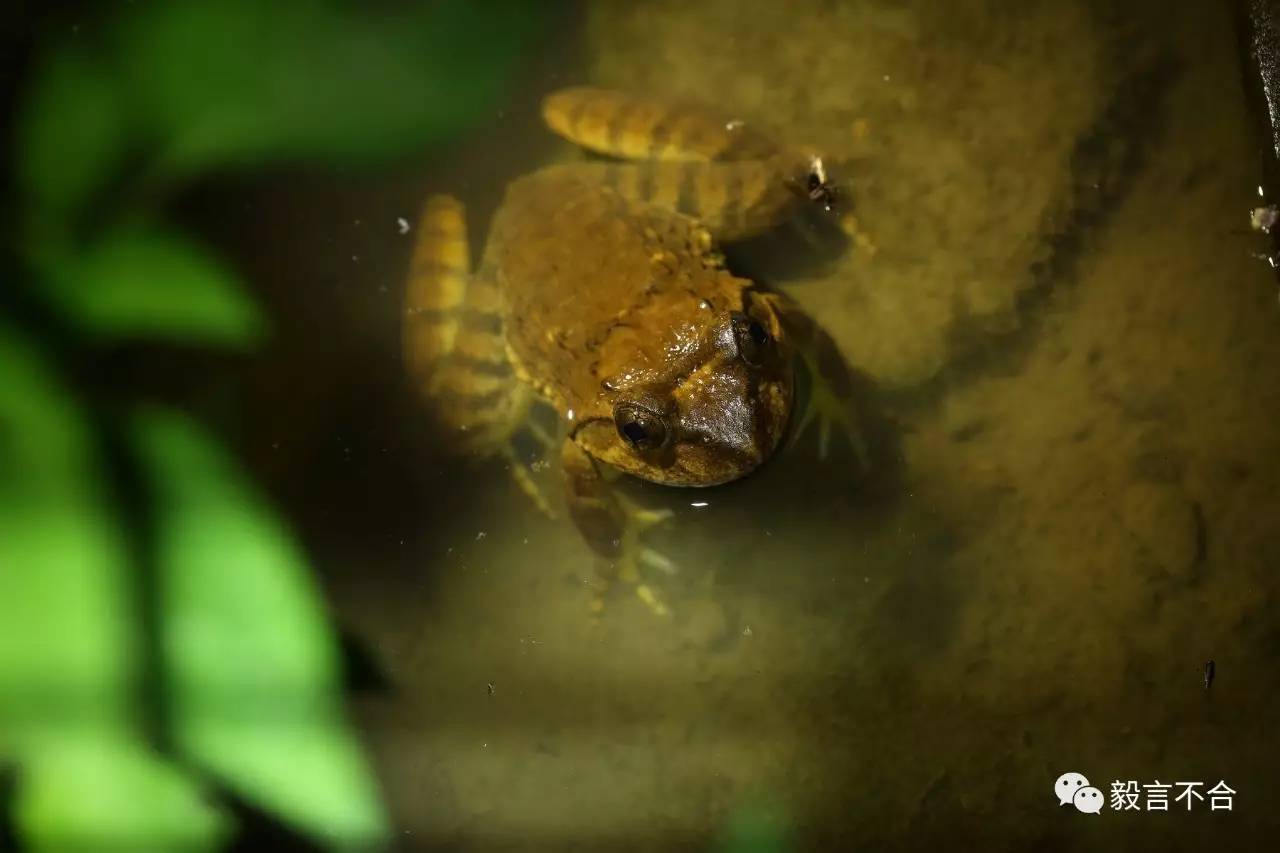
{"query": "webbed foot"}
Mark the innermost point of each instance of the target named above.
(633, 555)
(830, 410)
(613, 526)
(830, 402)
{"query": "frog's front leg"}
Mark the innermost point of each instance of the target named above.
(611, 525)
(830, 405)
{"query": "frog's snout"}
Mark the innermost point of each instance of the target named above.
(735, 449)
(731, 434)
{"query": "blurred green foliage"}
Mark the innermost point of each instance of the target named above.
(69, 637)
(63, 561)
(176, 88)
(233, 643)
(111, 792)
(758, 825)
(71, 135)
(152, 284)
(253, 673)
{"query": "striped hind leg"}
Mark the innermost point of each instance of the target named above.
(619, 124)
(454, 348)
(733, 200)
(732, 176)
(733, 179)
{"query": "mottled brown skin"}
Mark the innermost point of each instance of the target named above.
(611, 301)
(601, 291)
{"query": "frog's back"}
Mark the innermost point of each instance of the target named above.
(577, 262)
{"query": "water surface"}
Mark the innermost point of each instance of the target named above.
(1069, 355)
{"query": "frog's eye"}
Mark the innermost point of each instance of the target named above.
(639, 427)
(751, 337)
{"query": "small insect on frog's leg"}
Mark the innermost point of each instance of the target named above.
(454, 348)
(611, 526)
(831, 402)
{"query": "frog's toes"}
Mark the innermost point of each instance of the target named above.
(657, 560)
(633, 555)
(640, 518)
(523, 475)
(545, 440)
(651, 599)
(863, 242)
(831, 411)
(644, 592)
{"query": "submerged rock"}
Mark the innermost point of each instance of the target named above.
(957, 164)
(969, 179)
(1164, 525)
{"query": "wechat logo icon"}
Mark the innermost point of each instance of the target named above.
(1073, 789)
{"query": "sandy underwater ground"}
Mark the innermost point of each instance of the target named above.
(1072, 357)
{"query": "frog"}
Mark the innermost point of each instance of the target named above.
(602, 291)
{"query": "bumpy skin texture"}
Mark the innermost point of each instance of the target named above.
(611, 301)
(601, 291)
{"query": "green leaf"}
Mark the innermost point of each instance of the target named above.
(65, 622)
(154, 285)
(252, 664)
(105, 793)
(756, 826)
(72, 131)
(326, 81)
(67, 638)
(177, 88)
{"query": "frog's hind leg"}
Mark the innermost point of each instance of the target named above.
(618, 124)
(454, 348)
(733, 201)
(731, 176)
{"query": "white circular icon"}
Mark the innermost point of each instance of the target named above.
(1088, 800)
(1067, 785)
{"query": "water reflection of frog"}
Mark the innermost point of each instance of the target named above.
(600, 291)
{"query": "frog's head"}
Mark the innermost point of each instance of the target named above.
(704, 402)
